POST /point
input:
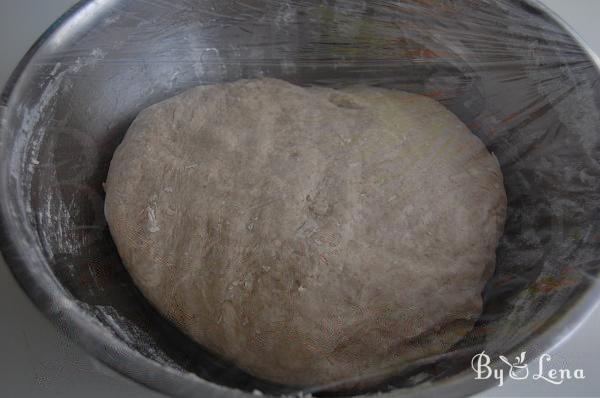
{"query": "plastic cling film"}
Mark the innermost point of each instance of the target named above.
(518, 78)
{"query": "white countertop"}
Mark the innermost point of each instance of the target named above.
(38, 361)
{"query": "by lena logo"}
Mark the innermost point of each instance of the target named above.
(519, 370)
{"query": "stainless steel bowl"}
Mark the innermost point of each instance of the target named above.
(511, 70)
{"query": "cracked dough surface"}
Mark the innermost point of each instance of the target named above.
(309, 235)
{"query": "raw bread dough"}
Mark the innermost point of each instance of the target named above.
(310, 235)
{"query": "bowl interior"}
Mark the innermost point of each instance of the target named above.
(513, 74)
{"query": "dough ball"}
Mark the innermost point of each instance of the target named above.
(310, 235)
